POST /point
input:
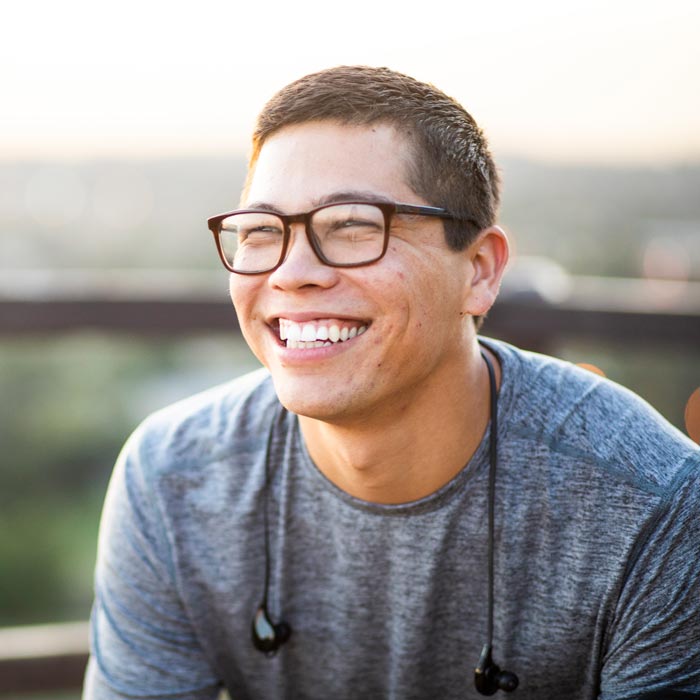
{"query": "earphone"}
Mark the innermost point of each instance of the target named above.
(488, 677)
(268, 636)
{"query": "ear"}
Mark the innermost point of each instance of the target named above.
(488, 256)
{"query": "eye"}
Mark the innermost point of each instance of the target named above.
(260, 231)
(253, 227)
(357, 223)
(260, 236)
(355, 229)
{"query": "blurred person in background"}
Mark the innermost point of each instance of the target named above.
(395, 507)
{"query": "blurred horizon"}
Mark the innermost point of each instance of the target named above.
(631, 221)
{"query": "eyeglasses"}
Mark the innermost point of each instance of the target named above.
(345, 234)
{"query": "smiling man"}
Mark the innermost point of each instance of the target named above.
(393, 507)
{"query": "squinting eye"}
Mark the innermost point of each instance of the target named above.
(260, 235)
(353, 224)
(264, 229)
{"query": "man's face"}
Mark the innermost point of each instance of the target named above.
(401, 316)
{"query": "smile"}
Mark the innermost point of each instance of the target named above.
(318, 333)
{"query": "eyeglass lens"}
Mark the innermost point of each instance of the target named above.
(346, 234)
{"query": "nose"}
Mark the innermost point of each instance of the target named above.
(301, 266)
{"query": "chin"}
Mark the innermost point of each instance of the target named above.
(304, 399)
(314, 410)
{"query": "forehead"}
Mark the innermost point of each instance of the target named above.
(300, 166)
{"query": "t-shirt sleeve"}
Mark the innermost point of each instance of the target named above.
(142, 642)
(653, 648)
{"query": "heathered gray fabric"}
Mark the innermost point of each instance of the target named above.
(596, 555)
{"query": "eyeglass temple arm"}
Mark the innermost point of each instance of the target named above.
(432, 211)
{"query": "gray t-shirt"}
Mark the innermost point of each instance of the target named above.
(597, 555)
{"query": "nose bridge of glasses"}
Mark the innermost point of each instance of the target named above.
(301, 224)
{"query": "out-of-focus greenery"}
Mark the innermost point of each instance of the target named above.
(664, 378)
(601, 221)
(70, 403)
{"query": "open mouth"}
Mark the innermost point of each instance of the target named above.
(318, 333)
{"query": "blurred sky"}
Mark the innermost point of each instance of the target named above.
(566, 80)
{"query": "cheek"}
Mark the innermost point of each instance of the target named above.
(397, 295)
(241, 291)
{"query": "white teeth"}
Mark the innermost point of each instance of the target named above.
(308, 333)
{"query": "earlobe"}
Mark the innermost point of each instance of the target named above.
(488, 256)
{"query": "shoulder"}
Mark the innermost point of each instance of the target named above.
(205, 428)
(585, 420)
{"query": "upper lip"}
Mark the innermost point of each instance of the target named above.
(309, 316)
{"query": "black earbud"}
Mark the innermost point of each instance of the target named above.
(488, 677)
(268, 637)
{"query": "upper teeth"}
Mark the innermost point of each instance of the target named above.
(310, 333)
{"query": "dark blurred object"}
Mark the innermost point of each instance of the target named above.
(44, 658)
(540, 304)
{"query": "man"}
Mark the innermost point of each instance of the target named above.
(340, 498)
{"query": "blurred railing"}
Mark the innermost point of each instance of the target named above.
(539, 306)
(43, 658)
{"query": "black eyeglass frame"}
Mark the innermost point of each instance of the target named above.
(388, 210)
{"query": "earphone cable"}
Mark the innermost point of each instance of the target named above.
(493, 442)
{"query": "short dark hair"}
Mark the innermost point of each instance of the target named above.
(450, 167)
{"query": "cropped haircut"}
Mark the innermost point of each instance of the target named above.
(450, 165)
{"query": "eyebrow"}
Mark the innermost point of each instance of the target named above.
(351, 195)
(265, 206)
(332, 198)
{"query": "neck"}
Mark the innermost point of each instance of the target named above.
(404, 454)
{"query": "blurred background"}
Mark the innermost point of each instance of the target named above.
(124, 126)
